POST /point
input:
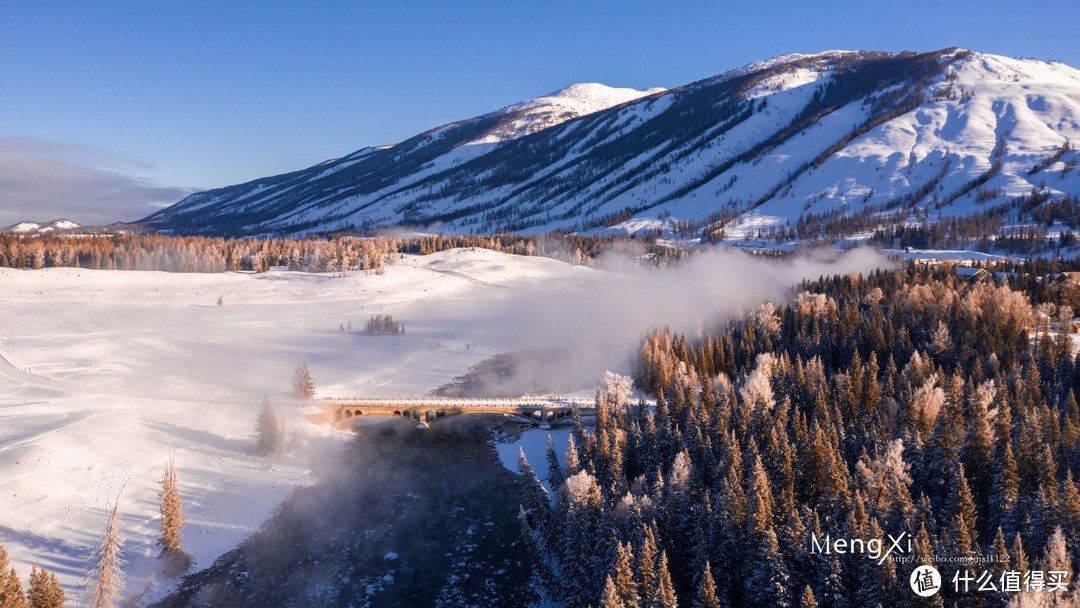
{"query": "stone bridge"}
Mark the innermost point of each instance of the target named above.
(426, 410)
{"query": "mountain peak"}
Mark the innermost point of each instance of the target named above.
(571, 102)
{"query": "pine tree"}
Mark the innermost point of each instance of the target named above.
(767, 577)
(1019, 558)
(964, 537)
(11, 590)
(646, 564)
(807, 600)
(537, 502)
(176, 561)
(706, 591)
(107, 578)
(625, 586)
(662, 594)
(1068, 507)
(610, 598)
(1006, 487)
(1056, 556)
(268, 428)
(580, 545)
(1001, 552)
(573, 464)
(555, 472)
(303, 387)
(45, 591)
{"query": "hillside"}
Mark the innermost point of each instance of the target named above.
(826, 145)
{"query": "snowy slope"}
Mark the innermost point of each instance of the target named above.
(114, 372)
(105, 375)
(944, 133)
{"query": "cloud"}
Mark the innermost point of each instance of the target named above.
(598, 325)
(42, 180)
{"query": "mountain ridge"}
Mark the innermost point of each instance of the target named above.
(774, 144)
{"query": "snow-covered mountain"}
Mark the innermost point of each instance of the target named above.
(41, 228)
(793, 141)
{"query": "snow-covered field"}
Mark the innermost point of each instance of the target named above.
(105, 374)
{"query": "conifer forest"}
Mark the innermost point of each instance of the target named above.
(910, 404)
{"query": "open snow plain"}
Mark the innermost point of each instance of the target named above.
(105, 374)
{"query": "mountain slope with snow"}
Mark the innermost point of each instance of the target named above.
(41, 228)
(796, 141)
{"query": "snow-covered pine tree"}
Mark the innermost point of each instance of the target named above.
(625, 586)
(172, 515)
(537, 502)
(578, 514)
(646, 562)
(573, 463)
(303, 387)
(706, 591)
(107, 577)
(268, 428)
(11, 590)
(663, 592)
(610, 597)
(176, 560)
(555, 472)
(45, 591)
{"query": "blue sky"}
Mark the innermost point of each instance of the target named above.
(109, 108)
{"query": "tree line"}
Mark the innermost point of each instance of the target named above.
(341, 253)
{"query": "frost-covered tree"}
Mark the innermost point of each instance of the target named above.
(555, 471)
(610, 598)
(662, 595)
(537, 502)
(756, 391)
(706, 592)
(11, 589)
(268, 427)
(584, 544)
(625, 585)
(302, 385)
(106, 580)
(615, 389)
(45, 590)
(171, 507)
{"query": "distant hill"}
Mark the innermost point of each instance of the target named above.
(60, 225)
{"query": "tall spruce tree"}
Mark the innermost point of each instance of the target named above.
(11, 589)
(106, 580)
(662, 594)
(302, 385)
(625, 585)
(268, 428)
(172, 513)
(706, 591)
